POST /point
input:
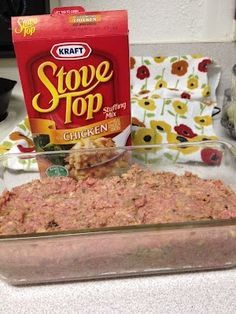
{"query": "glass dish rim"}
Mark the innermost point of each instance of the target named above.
(229, 145)
(121, 229)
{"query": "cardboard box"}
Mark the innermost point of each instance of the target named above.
(74, 69)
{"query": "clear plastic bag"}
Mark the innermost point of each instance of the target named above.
(228, 118)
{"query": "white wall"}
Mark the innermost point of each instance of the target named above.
(152, 21)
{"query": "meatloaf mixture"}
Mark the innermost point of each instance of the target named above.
(139, 196)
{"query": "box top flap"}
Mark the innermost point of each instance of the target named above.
(69, 25)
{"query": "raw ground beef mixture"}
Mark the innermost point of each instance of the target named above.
(140, 196)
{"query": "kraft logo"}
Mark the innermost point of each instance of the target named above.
(71, 51)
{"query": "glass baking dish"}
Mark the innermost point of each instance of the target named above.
(120, 251)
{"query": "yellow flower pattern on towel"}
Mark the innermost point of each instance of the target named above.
(192, 83)
(180, 107)
(159, 59)
(203, 120)
(182, 101)
(206, 91)
(19, 139)
(5, 147)
(161, 84)
(147, 104)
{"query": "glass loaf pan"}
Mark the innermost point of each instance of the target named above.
(124, 251)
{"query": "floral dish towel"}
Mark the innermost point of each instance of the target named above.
(172, 100)
(20, 141)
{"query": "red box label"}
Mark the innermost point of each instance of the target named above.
(74, 68)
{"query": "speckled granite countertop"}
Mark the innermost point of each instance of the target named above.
(205, 292)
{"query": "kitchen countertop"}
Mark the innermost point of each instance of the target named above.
(205, 292)
(201, 292)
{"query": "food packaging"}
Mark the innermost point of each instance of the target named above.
(74, 69)
(228, 118)
(120, 251)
